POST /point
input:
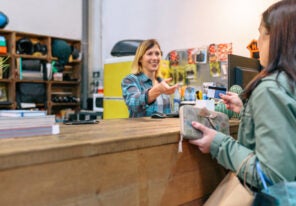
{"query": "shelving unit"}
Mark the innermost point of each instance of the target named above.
(60, 94)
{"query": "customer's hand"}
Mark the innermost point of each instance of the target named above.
(204, 143)
(232, 101)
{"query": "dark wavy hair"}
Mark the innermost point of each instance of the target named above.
(280, 22)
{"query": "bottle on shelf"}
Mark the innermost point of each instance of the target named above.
(177, 100)
(189, 94)
(192, 95)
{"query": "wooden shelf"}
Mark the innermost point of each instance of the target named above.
(31, 56)
(65, 82)
(5, 80)
(71, 71)
(54, 104)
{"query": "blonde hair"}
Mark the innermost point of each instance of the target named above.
(143, 47)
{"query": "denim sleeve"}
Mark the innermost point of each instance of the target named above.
(134, 96)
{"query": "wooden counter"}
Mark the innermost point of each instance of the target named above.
(116, 162)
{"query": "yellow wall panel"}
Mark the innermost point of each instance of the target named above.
(113, 75)
(114, 109)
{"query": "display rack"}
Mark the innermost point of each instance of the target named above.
(61, 94)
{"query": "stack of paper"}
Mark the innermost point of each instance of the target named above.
(23, 123)
(22, 113)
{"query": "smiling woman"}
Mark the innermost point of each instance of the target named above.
(144, 91)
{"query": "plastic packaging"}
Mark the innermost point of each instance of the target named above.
(189, 94)
(177, 100)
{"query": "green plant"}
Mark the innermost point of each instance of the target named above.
(3, 64)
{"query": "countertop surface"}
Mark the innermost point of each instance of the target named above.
(75, 141)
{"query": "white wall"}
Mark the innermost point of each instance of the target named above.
(60, 18)
(179, 24)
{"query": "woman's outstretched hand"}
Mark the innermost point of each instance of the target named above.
(162, 88)
(166, 88)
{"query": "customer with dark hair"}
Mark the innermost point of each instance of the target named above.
(144, 91)
(267, 106)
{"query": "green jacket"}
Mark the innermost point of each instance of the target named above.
(267, 129)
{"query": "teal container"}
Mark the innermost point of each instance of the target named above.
(236, 89)
(220, 107)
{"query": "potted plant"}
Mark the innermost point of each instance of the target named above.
(4, 66)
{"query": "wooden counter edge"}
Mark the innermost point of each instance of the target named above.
(86, 148)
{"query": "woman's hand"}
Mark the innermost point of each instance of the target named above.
(204, 143)
(161, 88)
(232, 101)
(165, 88)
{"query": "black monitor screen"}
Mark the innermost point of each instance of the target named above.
(241, 70)
(244, 75)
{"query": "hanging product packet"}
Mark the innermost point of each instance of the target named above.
(212, 119)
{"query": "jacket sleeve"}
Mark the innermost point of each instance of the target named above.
(134, 97)
(273, 117)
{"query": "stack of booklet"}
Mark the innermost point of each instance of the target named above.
(24, 123)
